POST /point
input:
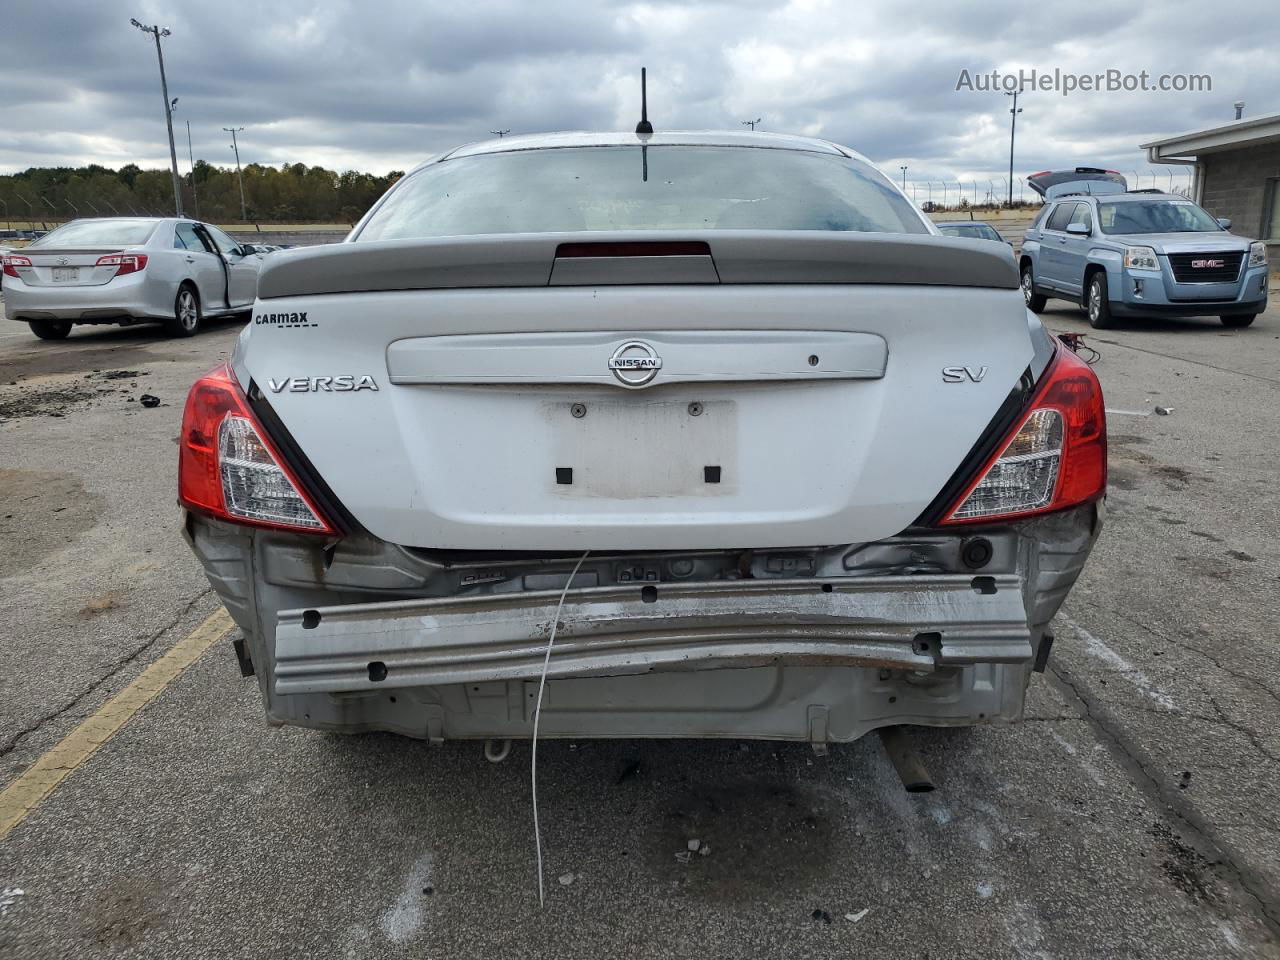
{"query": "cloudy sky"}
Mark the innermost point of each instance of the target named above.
(381, 84)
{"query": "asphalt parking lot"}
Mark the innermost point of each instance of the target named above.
(1134, 814)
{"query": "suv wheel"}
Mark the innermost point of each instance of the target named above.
(1097, 302)
(1035, 301)
(50, 329)
(186, 313)
(1238, 320)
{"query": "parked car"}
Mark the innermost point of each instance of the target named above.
(712, 430)
(1143, 253)
(128, 270)
(973, 229)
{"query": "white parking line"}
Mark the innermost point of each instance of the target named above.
(1097, 649)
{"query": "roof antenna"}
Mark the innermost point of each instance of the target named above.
(644, 126)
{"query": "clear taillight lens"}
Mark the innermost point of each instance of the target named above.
(1024, 476)
(254, 487)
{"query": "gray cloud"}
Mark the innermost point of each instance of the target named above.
(380, 84)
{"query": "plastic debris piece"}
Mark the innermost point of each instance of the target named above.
(684, 856)
(705, 851)
(149, 400)
(694, 845)
(855, 917)
(1164, 411)
(566, 879)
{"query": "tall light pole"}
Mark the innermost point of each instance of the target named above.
(192, 157)
(156, 33)
(751, 123)
(500, 133)
(235, 145)
(1013, 127)
(904, 178)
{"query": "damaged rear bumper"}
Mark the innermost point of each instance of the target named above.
(819, 644)
(916, 623)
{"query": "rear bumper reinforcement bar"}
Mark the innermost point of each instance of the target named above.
(900, 622)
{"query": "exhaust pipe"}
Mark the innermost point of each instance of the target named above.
(915, 778)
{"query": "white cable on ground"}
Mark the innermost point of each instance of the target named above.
(537, 714)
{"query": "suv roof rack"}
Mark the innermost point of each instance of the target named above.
(1148, 190)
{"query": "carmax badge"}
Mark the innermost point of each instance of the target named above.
(635, 363)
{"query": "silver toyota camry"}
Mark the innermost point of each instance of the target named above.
(129, 270)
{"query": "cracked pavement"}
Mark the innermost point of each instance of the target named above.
(1133, 814)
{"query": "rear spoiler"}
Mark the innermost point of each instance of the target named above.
(600, 259)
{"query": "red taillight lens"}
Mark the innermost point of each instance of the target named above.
(124, 262)
(12, 261)
(227, 468)
(1056, 456)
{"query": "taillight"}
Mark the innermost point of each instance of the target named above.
(227, 468)
(12, 261)
(1055, 457)
(124, 262)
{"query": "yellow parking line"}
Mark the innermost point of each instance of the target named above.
(42, 778)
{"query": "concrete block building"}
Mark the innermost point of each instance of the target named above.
(1237, 173)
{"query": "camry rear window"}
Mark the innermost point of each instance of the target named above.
(98, 233)
(666, 187)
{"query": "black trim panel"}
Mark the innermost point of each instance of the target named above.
(982, 451)
(302, 468)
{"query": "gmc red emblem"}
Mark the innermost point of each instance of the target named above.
(1208, 264)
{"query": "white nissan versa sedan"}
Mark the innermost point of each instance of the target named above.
(128, 270)
(711, 431)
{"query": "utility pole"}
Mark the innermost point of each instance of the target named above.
(235, 145)
(192, 157)
(904, 178)
(156, 33)
(1013, 127)
(500, 133)
(751, 123)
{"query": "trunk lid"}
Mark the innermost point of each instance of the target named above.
(646, 416)
(70, 267)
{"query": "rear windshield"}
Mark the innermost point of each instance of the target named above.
(98, 233)
(979, 231)
(1155, 216)
(665, 187)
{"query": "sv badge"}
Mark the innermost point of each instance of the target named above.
(961, 374)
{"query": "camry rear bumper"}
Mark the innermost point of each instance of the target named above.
(134, 297)
(904, 623)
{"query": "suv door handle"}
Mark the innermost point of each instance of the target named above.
(190, 259)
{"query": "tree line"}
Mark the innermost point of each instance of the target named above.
(290, 193)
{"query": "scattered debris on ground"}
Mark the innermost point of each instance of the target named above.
(855, 917)
(149, 400)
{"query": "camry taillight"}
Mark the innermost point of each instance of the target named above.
(12, 261)
(1056, 455)
(124, 262)
(227, 468)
